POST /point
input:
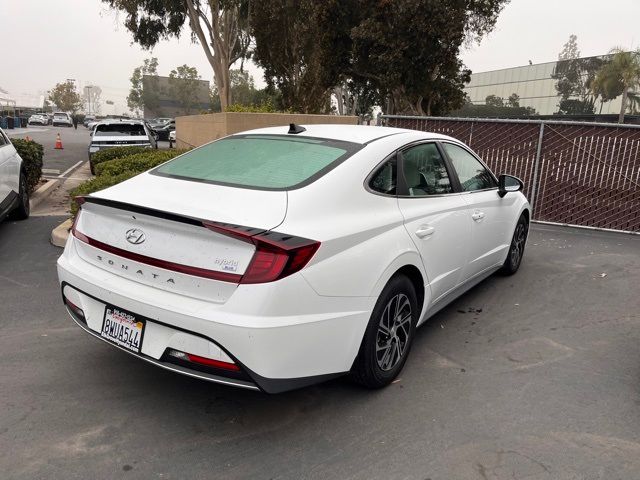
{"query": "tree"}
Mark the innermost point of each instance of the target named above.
(407, 55)
(513, 100)
(184, 83)
(621, 74)
(303, 46)
(494, 101)
(65, 97)
(219, 26)
(139, 97)
(575, 78)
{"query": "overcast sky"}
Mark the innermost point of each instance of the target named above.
(53, 40)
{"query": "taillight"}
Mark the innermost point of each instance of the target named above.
(276, 256)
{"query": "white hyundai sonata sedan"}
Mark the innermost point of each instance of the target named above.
(281, 257)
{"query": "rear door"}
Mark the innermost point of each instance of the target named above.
(435, 215)
(488, 213)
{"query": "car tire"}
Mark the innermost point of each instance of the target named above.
(22, 211)
(387, 340)
(516, 249)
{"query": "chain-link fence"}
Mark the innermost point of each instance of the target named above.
(583, 174)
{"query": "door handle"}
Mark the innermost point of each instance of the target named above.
(425, 231)
(477, 215)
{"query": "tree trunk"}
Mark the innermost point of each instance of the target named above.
(623, 107)
(418, 106)
(337, 91)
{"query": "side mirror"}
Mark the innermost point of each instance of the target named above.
(508, 183)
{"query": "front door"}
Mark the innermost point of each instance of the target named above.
(488, 212)
(435, 216)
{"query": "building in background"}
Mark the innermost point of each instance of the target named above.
(534, 89)
(166, 97)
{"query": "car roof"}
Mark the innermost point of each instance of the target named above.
(112, 121)
(348, 133)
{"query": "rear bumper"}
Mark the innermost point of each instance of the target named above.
(282, 339)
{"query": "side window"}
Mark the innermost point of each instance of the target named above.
(384, 180)
(472, 174)
(3, 141)
(424, 171)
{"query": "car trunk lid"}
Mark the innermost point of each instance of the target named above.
(153, 230)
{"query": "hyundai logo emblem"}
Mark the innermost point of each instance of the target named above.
(135, 236)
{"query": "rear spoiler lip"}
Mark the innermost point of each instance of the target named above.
(152, 212)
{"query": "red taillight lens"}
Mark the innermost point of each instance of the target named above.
(74, 308)
(209, 362)
(276, 256)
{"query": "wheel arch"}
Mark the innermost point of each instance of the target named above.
(410, 265)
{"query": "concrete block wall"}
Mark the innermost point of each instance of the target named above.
(196, 130)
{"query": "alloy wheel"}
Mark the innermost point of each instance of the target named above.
(517, 244)
(394, 330)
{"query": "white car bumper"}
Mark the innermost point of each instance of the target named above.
(282, 335)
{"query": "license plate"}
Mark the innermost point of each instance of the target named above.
(122, 328)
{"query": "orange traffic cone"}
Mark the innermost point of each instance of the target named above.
(58, 143)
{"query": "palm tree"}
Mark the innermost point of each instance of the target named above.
(626, 67)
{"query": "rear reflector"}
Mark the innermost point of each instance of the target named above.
(76, 310)
(208, 362)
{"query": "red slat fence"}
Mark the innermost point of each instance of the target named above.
(583, 174)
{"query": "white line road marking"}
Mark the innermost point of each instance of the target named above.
(51, 171)
(71, 168)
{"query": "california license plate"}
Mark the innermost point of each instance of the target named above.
(122, 328)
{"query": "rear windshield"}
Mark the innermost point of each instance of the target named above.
(274, 162)
(60, 115)
(120, 130)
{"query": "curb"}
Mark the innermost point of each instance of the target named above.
(42, 193)
(60, 234)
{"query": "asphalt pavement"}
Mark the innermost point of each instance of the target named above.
(535, 376)
(75, 145)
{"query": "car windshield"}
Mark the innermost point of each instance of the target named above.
(60, 115)
(273, 162)
(120, 130)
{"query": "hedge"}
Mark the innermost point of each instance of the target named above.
(115, 152)
(139, 162)
(115, 171)
(31, 153)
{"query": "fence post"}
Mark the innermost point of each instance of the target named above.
(536, 165)
(471, 133)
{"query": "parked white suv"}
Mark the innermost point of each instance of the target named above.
(14, 195)
(120, 133)
(62, 119)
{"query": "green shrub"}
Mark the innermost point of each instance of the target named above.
(139, 162)
(31, 153)
(115, 152)
(265, 107)
(95, 184)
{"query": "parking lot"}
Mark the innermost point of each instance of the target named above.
(533, 376)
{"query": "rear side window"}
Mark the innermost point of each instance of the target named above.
(120, 130)
(385, 179)
(273, 162)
